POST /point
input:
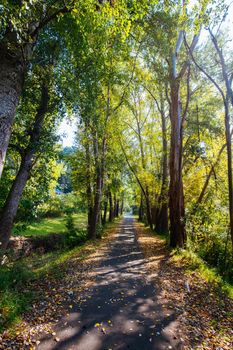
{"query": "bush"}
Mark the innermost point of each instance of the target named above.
(60, 204)
(73, 236)
(209, 238)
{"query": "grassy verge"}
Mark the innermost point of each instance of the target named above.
(52, 225)
(191, 262)
(20, 280)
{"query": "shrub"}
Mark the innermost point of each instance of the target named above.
(73, 236)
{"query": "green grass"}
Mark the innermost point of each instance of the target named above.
(52, 225)
(193, 262)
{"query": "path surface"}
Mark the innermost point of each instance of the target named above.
(122, 310)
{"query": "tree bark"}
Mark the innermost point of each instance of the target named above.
(12, 71)
(115, 205)
(12, 202)
(122, 206)
(176, 195)
(94, 220)
(96, 210)
(229, 166)
(110, 207)
(117, 208)
(88, 186)
(105, 210)
(162, 215)
(140, 210)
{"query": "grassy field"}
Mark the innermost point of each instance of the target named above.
(53, 225)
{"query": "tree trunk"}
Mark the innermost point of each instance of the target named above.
(117, 208)
(176, 195)
(88, 187)
(115, 205)
(148, 209)
(140, 210)
(11, 206)
(94, 220)
(105, 210)
(143, 161)
(229, 166)
(12, 72)
(110, 207)
(12, 202)
(162, 215)
(122, 206)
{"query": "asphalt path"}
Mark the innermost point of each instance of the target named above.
(122, 309)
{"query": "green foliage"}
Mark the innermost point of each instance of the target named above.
(73, 236)
(14, 297)
(109, 66)
(209, 238)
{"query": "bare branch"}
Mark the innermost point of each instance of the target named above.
(205, 73)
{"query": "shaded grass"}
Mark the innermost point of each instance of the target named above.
(52, 225)
(18, 278)
(192, 262)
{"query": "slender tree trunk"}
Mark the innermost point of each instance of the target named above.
(162, 216)
(12, 202)
(110, 207)
(148, 210)
(11, 206)
(204, 188)
(88, 187)
(12, 72)
(140, 210)
(117, 208)
(229, 166)
(122, 206)
(114, 205)
(94, 220)
(147, 196)
(176, 195)
(105, 210)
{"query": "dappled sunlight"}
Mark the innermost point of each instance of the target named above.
(121, 310)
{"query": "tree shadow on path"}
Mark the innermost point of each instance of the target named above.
(122, 310)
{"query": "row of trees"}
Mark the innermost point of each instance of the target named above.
(40, 58)
(150, 95)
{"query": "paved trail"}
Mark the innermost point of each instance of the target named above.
(121, 311)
